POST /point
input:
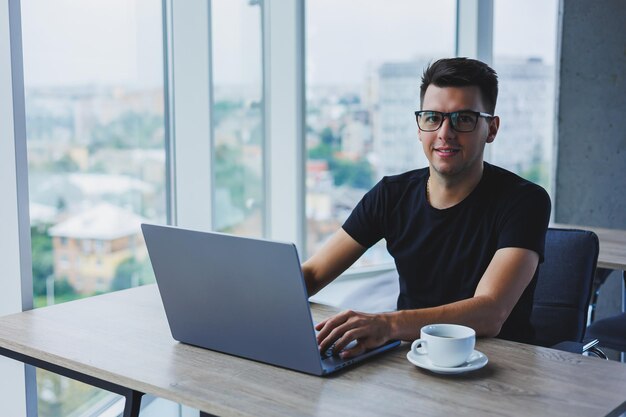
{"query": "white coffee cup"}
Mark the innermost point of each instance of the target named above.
(446, 345)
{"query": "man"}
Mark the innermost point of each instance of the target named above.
(466, 236)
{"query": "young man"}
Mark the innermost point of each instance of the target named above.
(466, 236)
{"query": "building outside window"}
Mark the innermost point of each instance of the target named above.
(524, 60)
(363, 68)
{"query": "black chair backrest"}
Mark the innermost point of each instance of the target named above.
(564, 284)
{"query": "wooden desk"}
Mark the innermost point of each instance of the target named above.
(123, 339)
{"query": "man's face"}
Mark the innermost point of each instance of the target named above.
(450, 153)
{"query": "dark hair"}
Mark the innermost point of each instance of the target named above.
(463, 72)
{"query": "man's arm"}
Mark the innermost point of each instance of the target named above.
(331, 260)
(507, 276)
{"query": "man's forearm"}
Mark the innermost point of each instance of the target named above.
(312, 285)
(480, 313)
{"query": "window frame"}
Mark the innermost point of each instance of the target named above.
(19, 395)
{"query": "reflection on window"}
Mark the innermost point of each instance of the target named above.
(362, 87)
(237, 117)
(96, 155)
(524, 60)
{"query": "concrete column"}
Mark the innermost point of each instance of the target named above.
(591, 150)
(590, 186)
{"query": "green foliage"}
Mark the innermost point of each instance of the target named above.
(327, 137)
(232, 174)
(63, 289)
(60, 396)
(357, 174)
(65, 164)
(131, 268)
(40, 123)
(537, 173)
(221, 109)
(322, 151)
(130, 130)
(43, 259)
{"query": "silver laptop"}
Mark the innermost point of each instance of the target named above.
(240, 296)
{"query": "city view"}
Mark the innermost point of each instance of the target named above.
(97, 164)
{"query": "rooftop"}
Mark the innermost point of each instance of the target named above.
(103, 222)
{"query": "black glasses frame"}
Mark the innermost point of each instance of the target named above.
(453, 117)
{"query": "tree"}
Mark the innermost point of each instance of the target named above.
(63, 288)
(222, 108)
(131, 268)
(232, 174)
(65, 164)
(327, 137)
(357, 174)
(321, 151)
(43, 260)
(537, 172)
(130, 130)
(124, 274)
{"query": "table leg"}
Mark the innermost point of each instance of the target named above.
(133, 397)
(132, 405)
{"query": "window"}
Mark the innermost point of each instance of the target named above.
(237, 117)
(524, 50)
(96, 154)
(362, 86)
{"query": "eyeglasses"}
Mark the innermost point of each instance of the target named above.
(461, 121)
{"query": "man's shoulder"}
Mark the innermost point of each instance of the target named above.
(406, 178)
(510, 183)
(511, 187)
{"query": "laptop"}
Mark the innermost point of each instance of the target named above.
(241, 296)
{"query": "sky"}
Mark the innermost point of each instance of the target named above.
(70, 42)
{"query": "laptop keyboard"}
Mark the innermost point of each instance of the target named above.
(331, 350)
(328, 352)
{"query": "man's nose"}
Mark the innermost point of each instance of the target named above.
(446, 131)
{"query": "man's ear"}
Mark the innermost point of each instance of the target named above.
(494, 125)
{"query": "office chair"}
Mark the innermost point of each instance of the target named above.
(601, 275)
(563, 291)
(611, 331)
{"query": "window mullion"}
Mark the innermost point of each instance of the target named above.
(17, 385)
(283, 58)
(189, 98)
(474, 32)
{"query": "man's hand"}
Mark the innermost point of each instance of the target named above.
(369, 330)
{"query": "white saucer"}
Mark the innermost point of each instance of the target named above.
(476, 361)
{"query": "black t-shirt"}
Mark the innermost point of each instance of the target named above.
(441, 255)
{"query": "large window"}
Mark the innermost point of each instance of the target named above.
(524, 52)
(96, 156)
(363, 67)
